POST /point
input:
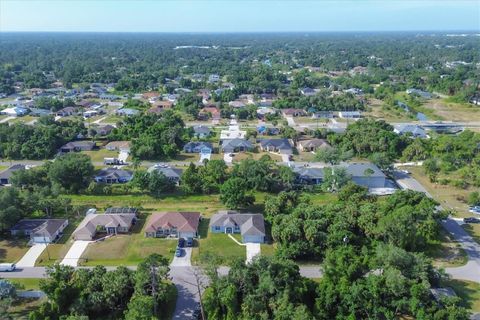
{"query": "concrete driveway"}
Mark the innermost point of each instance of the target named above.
(73, 255)
(29, 258)
(123, 155)
(253, 249)
(6, 119)
(184, 260)
(290, 121)
(227, 158)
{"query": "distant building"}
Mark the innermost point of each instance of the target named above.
(201, 131)
(281, 146)
(350, 114)
(313, 145)
(113, 176)
(6, 174)
(198, 147)
(292, 112)
(420, 93)
(15, 111)
(173, 224)
(173, 174)
(127, 112)
(76, 146)
(410, 129)
(236, 145)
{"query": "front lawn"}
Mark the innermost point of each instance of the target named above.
(26, 283)
(55, 252)
(468, 291)
(219, 245)
(12, 250)
(127, 249)
(99, 155)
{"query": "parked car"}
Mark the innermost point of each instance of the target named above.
(178, 252)
(181, 242)
(475, 209)
(471, 220)
(7, 267)
(189, 242)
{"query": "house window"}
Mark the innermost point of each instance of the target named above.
(217, 228)
(159, 233)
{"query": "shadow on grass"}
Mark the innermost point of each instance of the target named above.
(471, 232)
(464, 291)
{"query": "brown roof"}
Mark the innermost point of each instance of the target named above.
(183, 221)
(151, 94)
(163, 104)
(88, 227)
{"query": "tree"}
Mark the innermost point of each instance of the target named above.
(332, 156)
(334, 178)
(158, 183)
(190, 182)
(234, 194)
(140, 307)
(474, 198)
(72, 171)
(7, 290)
(11, 209)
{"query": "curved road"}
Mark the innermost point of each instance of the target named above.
(470, 271)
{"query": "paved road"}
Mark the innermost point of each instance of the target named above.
(470, 271)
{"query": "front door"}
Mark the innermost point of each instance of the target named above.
(228, 230)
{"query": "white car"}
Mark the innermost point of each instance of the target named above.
(7, 267)
(475, 209)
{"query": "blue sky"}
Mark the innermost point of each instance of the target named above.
(237, 15)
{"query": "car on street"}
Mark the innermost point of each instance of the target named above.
(474, 209)
(7, 267)
(181, 242)
(471, 220)
(189, 242)
(178, 252)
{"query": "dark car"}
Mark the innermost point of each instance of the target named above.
(178, 252)
(181, 242)
(189, 242)
(471, 220)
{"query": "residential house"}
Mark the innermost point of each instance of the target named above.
(6, 174)
(420, 93)
(354, 91)
(128, 112)
(150, 95)
(313, 145)
(201, 132)
(172, 174)
(412, 130)
(104, 130)
(198, 147)
(40, 230)
(294, 112)
(308, 176)
(366, 174)
(209, 112)
(236, 145)
(90, 113)
(251, 226)
(282, 146)
(35, 112)
(109, 223)
(76, 146)
(307, 91)
(263, 111)
(173, 224)
(118, 146)
(67, 111)
(322, 115)
(17, 111)
(350, 114)
(113, 176)
(213, 78)
(236, 104)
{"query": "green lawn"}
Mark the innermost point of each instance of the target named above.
(218, 244)
(267, 250)
(99, 155)
(12, 250)
(446, 253)
(128, 249)
(26, 283)
(468, 291)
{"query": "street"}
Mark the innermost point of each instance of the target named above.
(470, 271)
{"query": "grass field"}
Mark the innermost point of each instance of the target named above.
(12, 250)
(220, 245)
(99, 155)
(452, 111)
(26, 283)
(468, 291)
(446, 253)
(255, 155)
(128, 249)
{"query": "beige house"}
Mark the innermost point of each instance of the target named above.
(118, 146)
(173, 224)
(313, 145)
(112, 223)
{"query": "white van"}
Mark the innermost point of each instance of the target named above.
(6, 267)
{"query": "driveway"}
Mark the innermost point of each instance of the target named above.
(73, 255)
(28, 260)
(285, 158)
(290, 121)
(253, 249)
(6, 119)
(185, 280)
(227, 158)
(204, 156)
(123, 155)
(183, 261)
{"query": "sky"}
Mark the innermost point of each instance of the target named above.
(238, 15)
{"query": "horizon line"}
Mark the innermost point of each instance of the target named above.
(246, 32)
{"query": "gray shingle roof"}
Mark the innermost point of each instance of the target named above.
(358, 170)
(251, 224)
